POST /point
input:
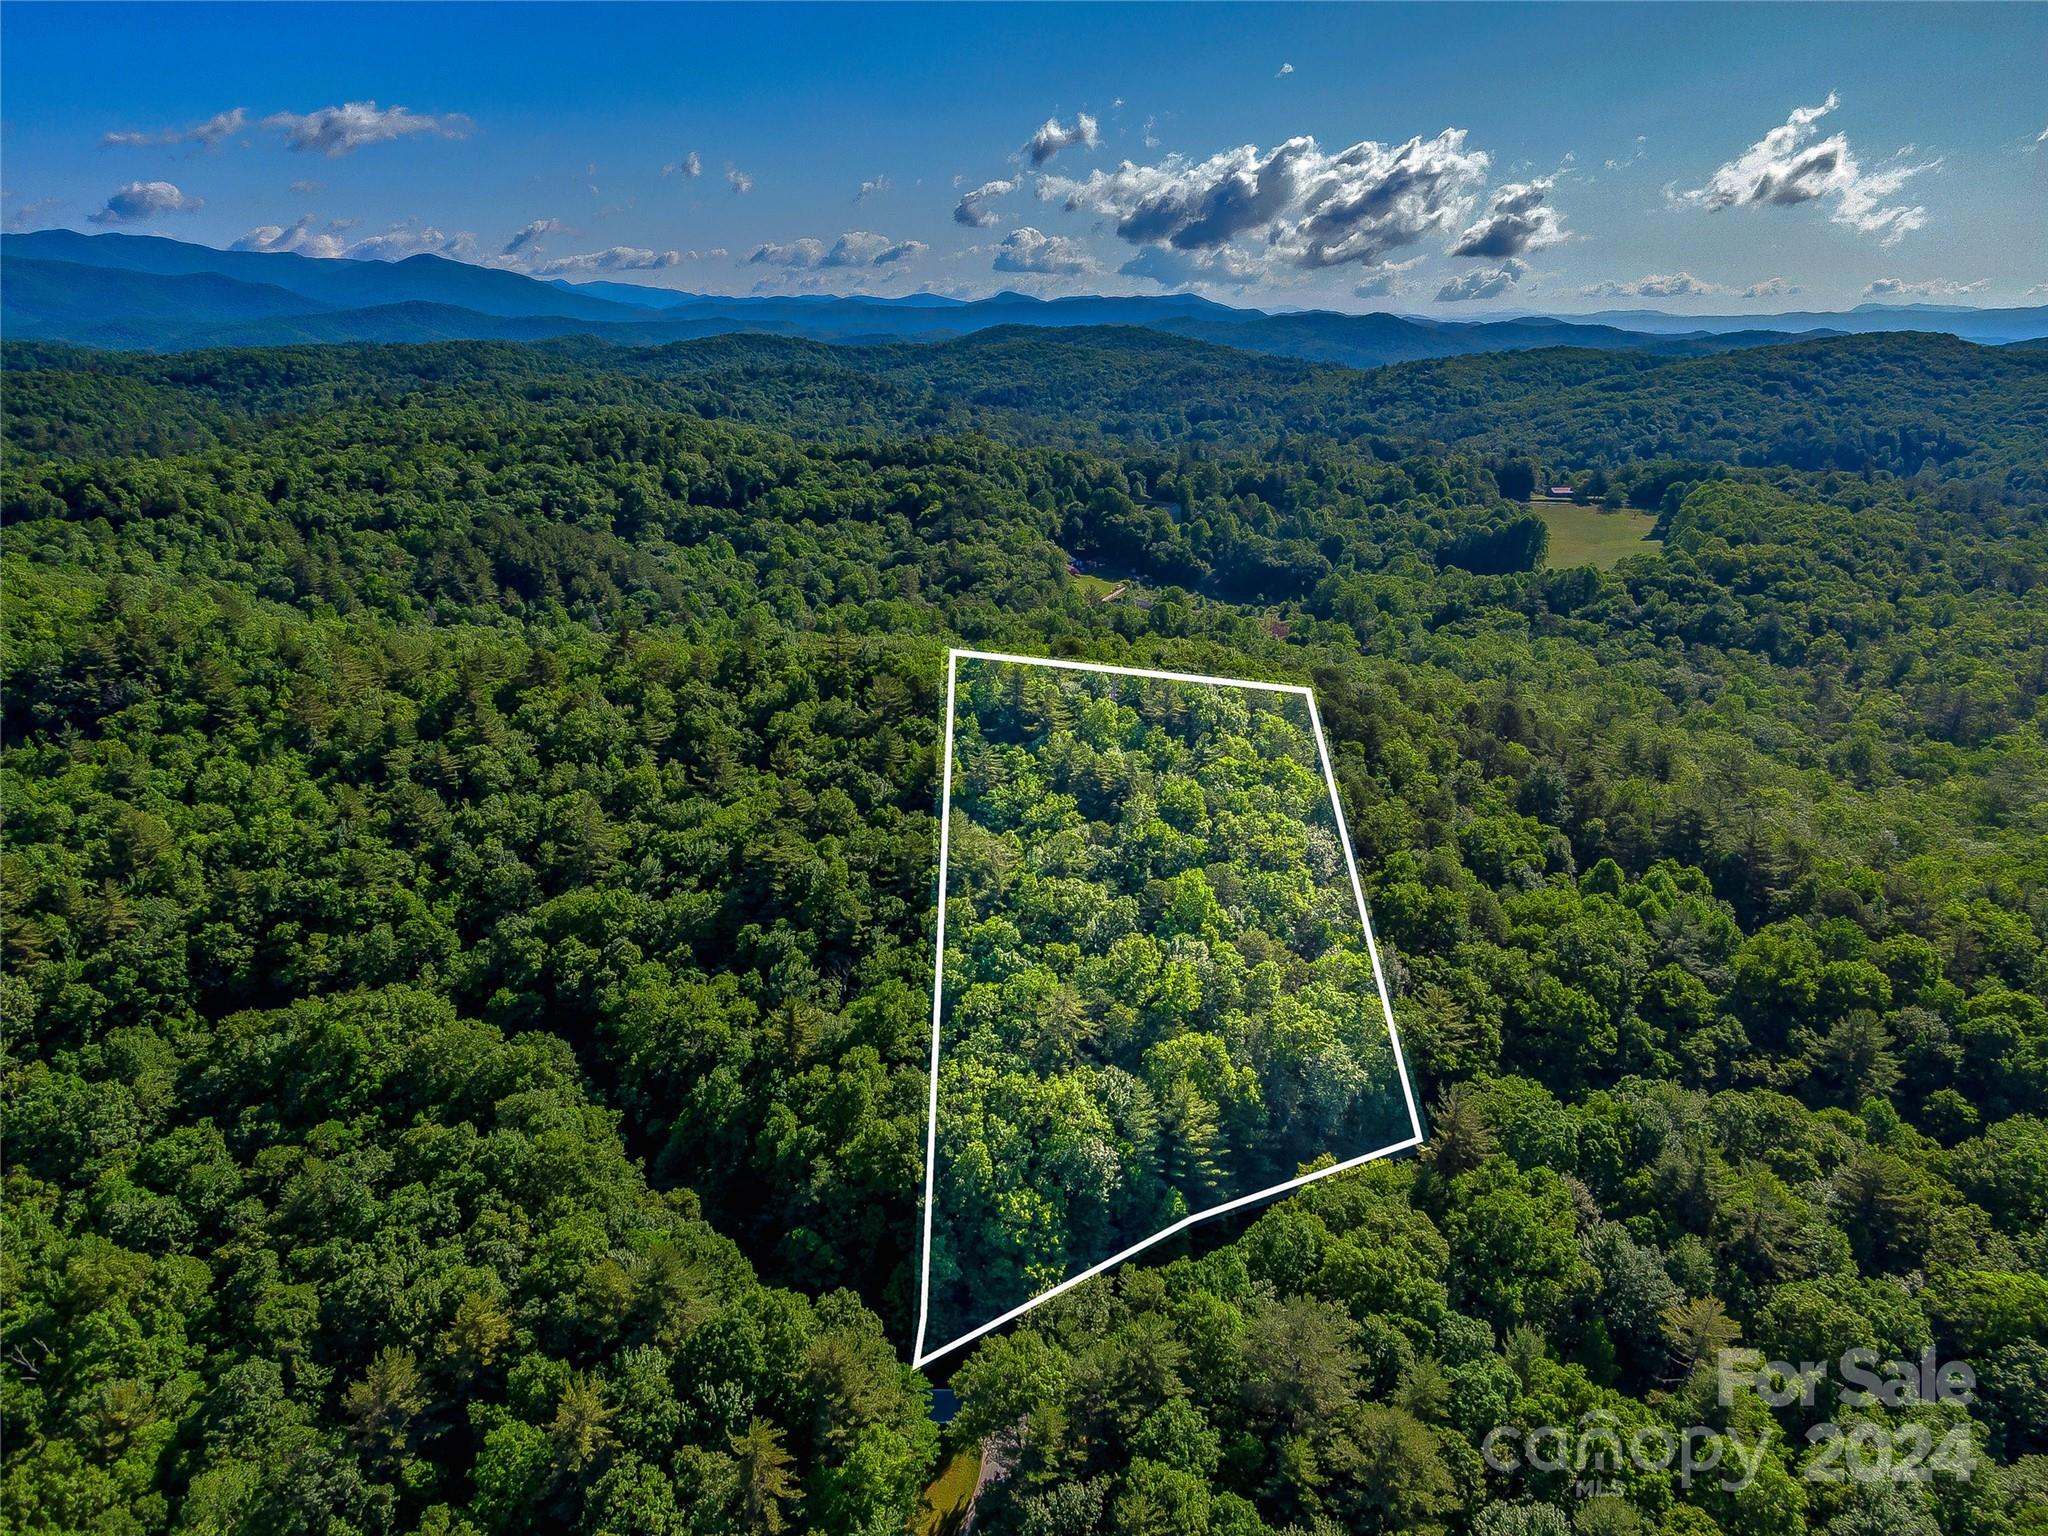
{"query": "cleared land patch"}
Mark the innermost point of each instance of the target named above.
(1593, 535)
(947, 1502)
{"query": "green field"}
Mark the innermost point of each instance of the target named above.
(1593, 535)
(946, 1502)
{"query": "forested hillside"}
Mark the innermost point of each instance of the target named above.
(469, 868)
(1902, 405)
(1157, 990)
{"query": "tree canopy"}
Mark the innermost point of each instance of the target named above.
(470, 844)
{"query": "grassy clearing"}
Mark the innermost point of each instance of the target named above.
(1591, 536)
(945, 1504)
(1094, 588)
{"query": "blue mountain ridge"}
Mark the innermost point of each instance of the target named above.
(144, 292)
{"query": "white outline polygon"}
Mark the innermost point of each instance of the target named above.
(919, 1355)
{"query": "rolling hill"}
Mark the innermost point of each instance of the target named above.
(138, 292)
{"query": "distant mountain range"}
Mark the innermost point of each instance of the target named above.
(140, 292)
(1994, 326)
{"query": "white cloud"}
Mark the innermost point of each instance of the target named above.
(865, 248)
(1517, 220)
(1634, 155)
(1923, 288)
(1785, 167)
(144, 200)
(1053, 136)
(691, 165)
(1284, 69)
(309, 188)
(1307, 208)
(1674, 285)
(217, 127)
(855, 248)
(1683, 285)
(1385, 281)
(620, 258)
(301, 237)
(740, 182)
(1483, 283)
(1151, 138)
(342, 130)
(800, 254)
(1029, 250)
(1225, 267)
(532, 235)
(209, 133)
(973, 209)
(25, 214)
(870, 187)
(403, 240)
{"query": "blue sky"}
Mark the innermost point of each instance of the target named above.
(1450, 160)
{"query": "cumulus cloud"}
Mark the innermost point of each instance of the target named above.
(801, 254)
(1518, 219)
(1683, 285)
(308, 188)
(217, 127)
(691, 165)
(144, 200)
(342, 130)
(1225, 267)
(309, 236)
(855, 248)
(740, 182)
(532, 235)
(1284, 69)
(620, 258)
(1030, 250)
(1673, 285)
(1053, 136)
(870, 187)
(1482, 283)
(1307, 208)
(24, 215)
(302, 238)
(865, 248)
(1923, 288)
(209, 133)
(1385, 282)
(1787, 166)
(403, 240)
(973, 209)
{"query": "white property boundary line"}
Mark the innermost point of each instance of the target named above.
(920, 1356)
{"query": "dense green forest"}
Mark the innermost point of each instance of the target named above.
(1157, 991)
(1902, 404)
(470, 852)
